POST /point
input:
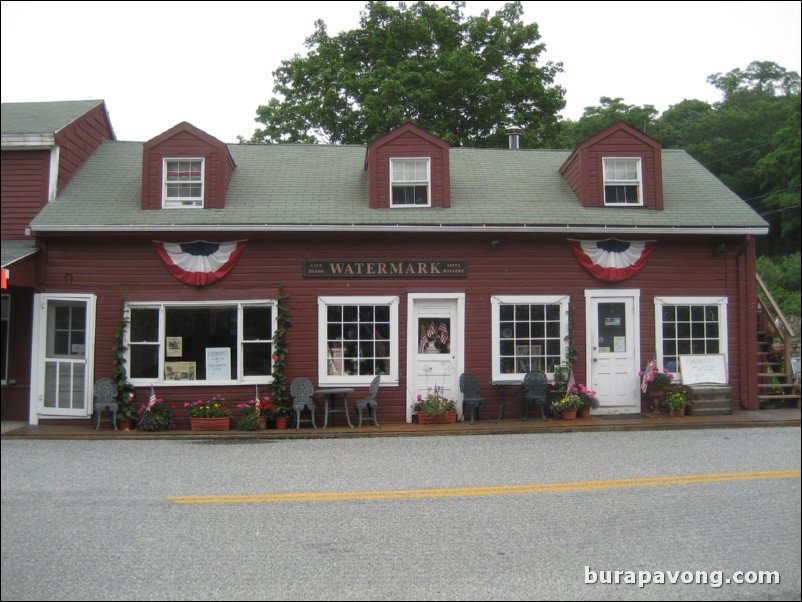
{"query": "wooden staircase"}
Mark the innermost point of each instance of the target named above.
(776, 387)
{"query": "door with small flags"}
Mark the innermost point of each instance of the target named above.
(435, 355)
(613, 326)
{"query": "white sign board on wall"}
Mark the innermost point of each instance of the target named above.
(703, 369)
(218, 363)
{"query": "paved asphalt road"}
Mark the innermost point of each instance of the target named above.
(98, 520)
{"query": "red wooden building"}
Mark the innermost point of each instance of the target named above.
(44, 145)
(404, 258)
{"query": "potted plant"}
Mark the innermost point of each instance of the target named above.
(155, 415)
(435, 408)
(262, 409)
(248, 417)
(587, 400)
(566, 406)
(556, 388)
(281, 416)
(657, 382)
(126, 413)
(210, 415)
(677, 400)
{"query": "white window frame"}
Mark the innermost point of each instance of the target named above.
(723, 335)
(174, 202)
(495, 304)
(162, 306)
(427, 182)
(324, 378)
(626, 182)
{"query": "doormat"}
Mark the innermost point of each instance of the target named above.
(622, 416)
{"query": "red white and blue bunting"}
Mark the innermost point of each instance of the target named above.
(200, 263)
(612, 259)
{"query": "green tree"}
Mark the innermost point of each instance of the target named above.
(683, 124)
(779, 171)
(608, 112)
(782, 277)
(750, 141)
(461, 78)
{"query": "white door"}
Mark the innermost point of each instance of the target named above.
(613, 342)
(62, 356)
(435, 351)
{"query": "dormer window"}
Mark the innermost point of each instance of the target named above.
(183, 183)
(410, 182)
(622, 181)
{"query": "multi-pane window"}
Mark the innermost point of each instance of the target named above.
(689, 326)
(528, 334)
(409, 180)
(622, 182)
(358, 339)
(230, 342)
(183, 183)
(67, 338)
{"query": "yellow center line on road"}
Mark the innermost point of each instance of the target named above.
(339, 496)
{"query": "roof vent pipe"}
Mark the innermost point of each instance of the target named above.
(514, 135)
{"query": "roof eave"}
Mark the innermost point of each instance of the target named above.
(427, 228)
(27, 141)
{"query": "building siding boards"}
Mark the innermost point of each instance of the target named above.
(584, 170)
(184, 140)
(24, 189)
(78, 140)
(408, 141)
(273, 265)
(312, 202)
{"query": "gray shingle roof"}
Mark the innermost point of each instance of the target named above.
(42, 117)
(319, 187)
(12, 251)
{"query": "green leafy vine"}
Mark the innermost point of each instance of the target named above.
(571, 352)
(283, 322)
(119, 373)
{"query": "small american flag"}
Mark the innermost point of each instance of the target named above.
(443, 330)
(569, 387)
(648, 374)
(151, 399)
(424, 341)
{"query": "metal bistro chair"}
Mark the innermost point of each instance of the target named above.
(369, 402)
(302, 391)
(105, 393)
(469, 385)
(535, 392)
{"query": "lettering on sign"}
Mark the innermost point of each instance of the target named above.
(390, 268)
(218, 363)
(703, 369)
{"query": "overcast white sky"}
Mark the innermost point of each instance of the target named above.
(210, 63)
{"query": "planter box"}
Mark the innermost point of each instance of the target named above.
(210, 424)
(447, 418)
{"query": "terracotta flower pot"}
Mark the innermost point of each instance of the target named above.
(447, 418)
(583, 413)
(210, 424)
(678, 413)
(569, 414)
(282, 422)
